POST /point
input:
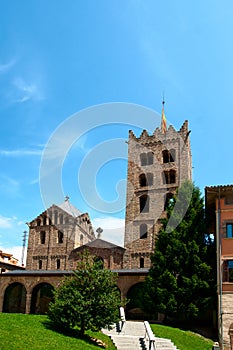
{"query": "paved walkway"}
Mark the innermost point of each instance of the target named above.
(132, 337)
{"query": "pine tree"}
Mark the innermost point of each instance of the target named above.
(180, 282)
(89, 299)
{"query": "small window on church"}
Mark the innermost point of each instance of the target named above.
(149, 179)
(172, 176)
(38, 222)
(81, 240)
(42, 237)
(143, 231)
(141, 263)
(40, 264)
(58, 264)
(144, 203)
(172, 155)
(150, 157)
(165, 156)
(60, 237)
(44, 220)
(169, 177)
(168, 156)
(143, 159)
(61, 219)
(142, 180)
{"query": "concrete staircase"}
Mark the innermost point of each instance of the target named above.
(132, 337)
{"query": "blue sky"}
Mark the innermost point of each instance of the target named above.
(58, 58)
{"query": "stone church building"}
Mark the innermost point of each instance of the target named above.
(157, 165)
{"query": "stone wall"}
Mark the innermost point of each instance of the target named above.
(170, 166)
(52, 239)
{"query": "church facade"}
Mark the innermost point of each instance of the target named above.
(157, 165)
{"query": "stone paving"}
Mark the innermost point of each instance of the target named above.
(132, 337)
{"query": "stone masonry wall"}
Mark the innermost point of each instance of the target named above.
(157, 187)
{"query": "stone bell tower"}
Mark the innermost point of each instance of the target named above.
(157, 165)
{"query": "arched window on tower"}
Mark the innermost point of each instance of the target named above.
(172, 155)
(143, 231)
(169, 177)
(169, 156)
(150, 158)
(146, 180)
(142, 180)
(42, 237)
(147, 158)
(143, 159)
(58, 264)
(40, 264)
(141, 262)
(144, 203)
(172, 176)
(60, 237)
(38, 222)
(44, 220)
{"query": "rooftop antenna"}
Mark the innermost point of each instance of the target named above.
(23, 246)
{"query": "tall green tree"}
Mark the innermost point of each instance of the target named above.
(180, 283)
(89, 299)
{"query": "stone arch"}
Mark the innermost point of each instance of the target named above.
(144, 203)
(42, 295)
(15, 298)
(135, 296)
(143, 180)
(169, 177)
(169, 156)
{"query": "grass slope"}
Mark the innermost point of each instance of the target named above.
(184, 340)
(18, 331)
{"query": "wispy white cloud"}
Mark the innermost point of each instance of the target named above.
(21, 152)
(25, 91)
(5, 222)
(4, 67)
(9, 186)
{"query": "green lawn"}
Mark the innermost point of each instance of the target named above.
(184, 340)
(18, 331)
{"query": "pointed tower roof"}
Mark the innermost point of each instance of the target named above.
(69, 208)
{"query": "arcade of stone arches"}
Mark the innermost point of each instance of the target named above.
(30, 296)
